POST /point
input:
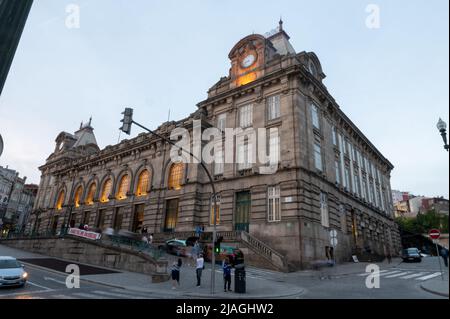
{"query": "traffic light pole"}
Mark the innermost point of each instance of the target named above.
(211, 181)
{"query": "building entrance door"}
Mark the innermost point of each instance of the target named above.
(242, 216)
(171, 215)
(138, 220)
(54, 224)
(118, 218)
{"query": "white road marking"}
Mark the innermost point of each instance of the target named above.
(117, 295)
(390, 273)
(374, 273)
(55, 280)
(43, 287)
(89, 296)
(413, 275)
(429, 276)
(398, 275)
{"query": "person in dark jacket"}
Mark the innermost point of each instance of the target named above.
(444, 255)
(226, 275)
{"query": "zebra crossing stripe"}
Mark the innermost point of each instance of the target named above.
(398, 275)
(390, 273)
(429, 276)
(90, 296)
(414, 275)
(374, 273)
(113, 294)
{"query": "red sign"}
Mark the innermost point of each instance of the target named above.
(84, 233)
(434, 233)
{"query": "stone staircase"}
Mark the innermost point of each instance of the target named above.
(260, 254)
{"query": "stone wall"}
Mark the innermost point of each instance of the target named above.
(94, 253)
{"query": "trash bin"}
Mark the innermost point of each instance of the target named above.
(239, 279)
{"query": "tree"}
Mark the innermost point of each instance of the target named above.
(424, 222)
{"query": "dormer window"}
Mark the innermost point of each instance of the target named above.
(312, 68)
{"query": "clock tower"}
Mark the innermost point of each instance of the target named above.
(248, 57)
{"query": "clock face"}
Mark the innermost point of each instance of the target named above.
(248, 60)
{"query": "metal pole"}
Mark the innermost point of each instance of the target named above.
(213, 257)
(439, 258)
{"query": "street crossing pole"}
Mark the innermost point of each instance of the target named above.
(126, 127)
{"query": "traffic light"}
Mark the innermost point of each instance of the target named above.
(217, 245)
(127, 120)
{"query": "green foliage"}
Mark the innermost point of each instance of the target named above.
(424, 222)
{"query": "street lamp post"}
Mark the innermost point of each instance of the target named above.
(126, 128)
(442, 127)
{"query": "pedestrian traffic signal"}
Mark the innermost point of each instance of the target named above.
(127, 120)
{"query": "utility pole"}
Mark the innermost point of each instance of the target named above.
(126, 128)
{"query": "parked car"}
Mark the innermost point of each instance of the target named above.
(411, 254)
(234, 255)
(180, 247)
(12, 272)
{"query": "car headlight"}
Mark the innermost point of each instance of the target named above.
(24, 275)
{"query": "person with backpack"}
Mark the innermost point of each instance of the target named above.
(176, 267)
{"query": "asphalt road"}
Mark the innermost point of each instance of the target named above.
(400, 282)
(43, 284)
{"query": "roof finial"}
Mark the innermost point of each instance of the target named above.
(90, 121)
(281, 24)
(81, 125)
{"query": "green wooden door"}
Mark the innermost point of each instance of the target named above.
(242, 216)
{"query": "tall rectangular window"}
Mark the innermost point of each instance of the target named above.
(356, 183)
(246, 116)
(221, 122)
(364, 188)
(337, 168)
(273, 107)
(333, 136)
(274, 204)
(244, 160)
(318, 156)
(347, 177)
(315, 116)
(211, 219)
(218, 160)
(325, 218)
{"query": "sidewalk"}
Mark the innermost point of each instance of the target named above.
(255, 288)
(437, 286)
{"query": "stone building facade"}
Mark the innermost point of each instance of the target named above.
(329, 175)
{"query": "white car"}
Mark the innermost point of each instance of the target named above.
(12, 272)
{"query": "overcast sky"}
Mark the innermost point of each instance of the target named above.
(392, 82)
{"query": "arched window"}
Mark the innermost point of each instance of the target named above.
(77, 197)
(60, 201)
(124, 186)
(176, 176)
(91, 194)
(143, 183)
(106, 192)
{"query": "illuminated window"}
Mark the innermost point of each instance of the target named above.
(175, 176)
(106, 192)
(77, 196)
(211, 219)
(91, 194)
(245, 79)
(60, 201)
(143, 183)
(124, 186)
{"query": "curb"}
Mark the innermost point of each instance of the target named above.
(442, 294)
(65, 274)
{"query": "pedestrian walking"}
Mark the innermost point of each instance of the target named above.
(150, 239)
(176, 268)
(444, 255)
(199, 268)
(389, 257)
(226, 275)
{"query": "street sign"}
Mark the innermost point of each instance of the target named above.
(333, 242)
(434, 234)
